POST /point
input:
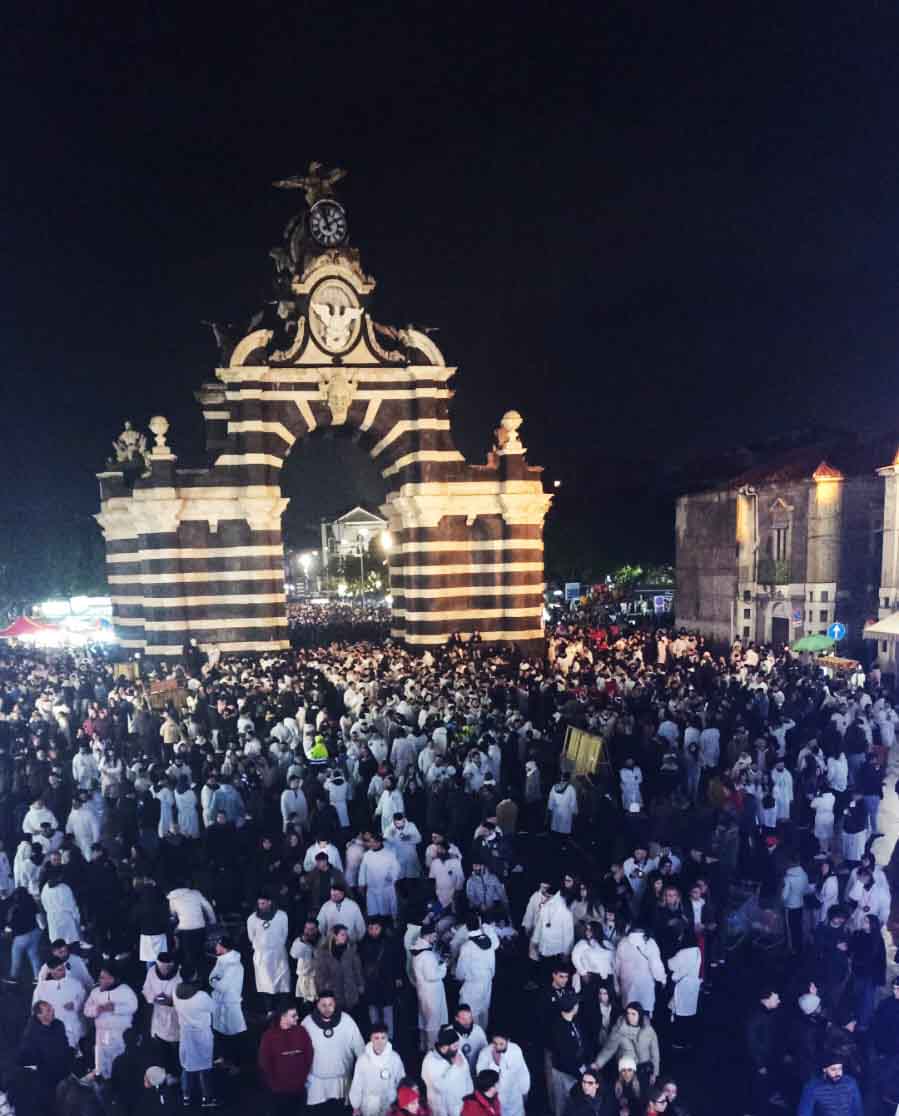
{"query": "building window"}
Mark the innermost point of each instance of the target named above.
(811, 594)
(822, 631)
(747, 613)
(779, 543)
(886, 602)
(825, 596)
(822, 616)
(811, 616)
(883, 645)
(747, 596)
(746, 632)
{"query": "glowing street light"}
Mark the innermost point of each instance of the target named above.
(386, 541)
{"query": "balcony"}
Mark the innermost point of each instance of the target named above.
(774, 571)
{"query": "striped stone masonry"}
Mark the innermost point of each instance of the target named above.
(198, 553)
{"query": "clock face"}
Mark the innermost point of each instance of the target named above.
(327, 223)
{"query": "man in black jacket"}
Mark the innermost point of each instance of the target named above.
(585, 1098)
(46, 1058)
(569, 1052)
(765, 1051)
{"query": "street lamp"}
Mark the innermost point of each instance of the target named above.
(386, 541)
(306, 561)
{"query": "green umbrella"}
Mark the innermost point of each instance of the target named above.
(812, 643)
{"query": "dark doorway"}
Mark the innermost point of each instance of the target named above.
(780, 630)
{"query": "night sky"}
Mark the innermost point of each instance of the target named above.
(654, 229)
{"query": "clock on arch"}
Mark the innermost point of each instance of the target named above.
(328, 223)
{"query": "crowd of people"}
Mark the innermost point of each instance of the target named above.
(350, 877)
(314, 625)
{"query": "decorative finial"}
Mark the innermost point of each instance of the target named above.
(506, 434)
(159, 425)
(130, 446)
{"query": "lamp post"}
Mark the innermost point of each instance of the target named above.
(306, 563)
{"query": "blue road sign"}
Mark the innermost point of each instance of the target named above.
(837, 631)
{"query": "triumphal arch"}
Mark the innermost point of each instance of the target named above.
(197, 553)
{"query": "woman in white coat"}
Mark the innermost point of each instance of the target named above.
(195, 1044)
(376, 1076)
(338, 791)
(112, 1006)
(782, 789)
(826, 889)
(562, 806)
(429, 973)
(592, 959)
(553, 929)
(823, 805)
(63, 916)
(638, 965)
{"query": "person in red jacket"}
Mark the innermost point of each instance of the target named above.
(484, 1100)
(285, 1058)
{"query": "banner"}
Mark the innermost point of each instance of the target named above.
(584, 750)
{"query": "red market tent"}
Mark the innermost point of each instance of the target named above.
(22, 628)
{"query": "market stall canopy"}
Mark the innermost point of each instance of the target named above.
(888, 626)
(812, 643)
(23, 628)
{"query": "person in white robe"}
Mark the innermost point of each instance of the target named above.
(35, 818)
(165, 796)
(378, 874)
(376, 1076)
(871, 898)
(226, 984)
(341, 911)
(67, 995)
(638, 965)
(631, 780)
(472, 1037)
(338, 791)
(506, 1058)
(536, 902)
(446, 1074)
(355, 850)
(112, 1006)
(160, 985)
(84, 827)
(325, 846)
(75, 966)
(294, 808)
(446, 872)
(63, 916)
(303, 951)
(553, 932)
(267, 931)
(782, 789)
(428, 974)
(685, 967)
(562, 806)
(823, 805)
(403, 838)
(476, 968)
(336, 1044)
(187, 808)
(390, 803)
(195, 1044)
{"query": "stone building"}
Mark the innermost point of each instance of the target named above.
(790, 544)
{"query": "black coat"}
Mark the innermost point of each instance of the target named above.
(46, 1047)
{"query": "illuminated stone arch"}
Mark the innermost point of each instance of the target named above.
(198, 553)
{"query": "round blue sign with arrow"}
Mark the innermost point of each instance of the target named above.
(837, 631)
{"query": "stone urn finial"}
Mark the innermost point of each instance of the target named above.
(159, 426)
(507, 440)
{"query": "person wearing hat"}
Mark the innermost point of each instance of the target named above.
(446, 1074)
(831, 1091)
(112, 1006)
(377, 1074)
(568, 1050)
(267, 931)
(507, 1059)
(159, 988)
(484, 1101)
(336, 1044)
(429, 972)
(807, 1033)
(157, 1096)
